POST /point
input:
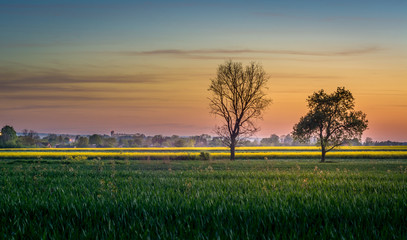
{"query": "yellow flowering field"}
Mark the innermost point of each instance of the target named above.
(208, 149)
(197, 153)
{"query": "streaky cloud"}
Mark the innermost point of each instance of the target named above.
(74, 105)
(38, 106)
(50, 98)
(65, 78)
(272, 14)
(53, 82)
(303, 76)
(213, 53)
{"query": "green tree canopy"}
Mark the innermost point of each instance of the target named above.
(331, 119)
(8, 137)
(273, 140)
(82, 142)
(109, 142)
(96, 139)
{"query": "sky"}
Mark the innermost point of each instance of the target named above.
(85, 67)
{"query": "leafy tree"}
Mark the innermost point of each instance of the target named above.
(288, 139)
(137, 140)
(248, 143)
(54, 139)
(180, 142)
(273, 140)
(109, 142)
(60, 139)
(167, 142)
(158, 140)
(66, 140)
(369, 141)
(238, 97)
(124, 142)
(95, 139)
(215, 142)
(190, 142)
(331, 119)
(51, 139)
(147, 141)
(201, 140)
(8, 137)
(82, 142)
(353, 142)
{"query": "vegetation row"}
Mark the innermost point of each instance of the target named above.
(208, 149)
(81, 155)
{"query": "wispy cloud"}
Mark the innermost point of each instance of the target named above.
(325, 19)
(65, 78)
(39, 9)
(11, 82)
(38, 106)
(384, 92)
(88, 104)
(215, 53)
(96, 9)
(303, 76)
(76, 98)
(43, 44)
(399, 105)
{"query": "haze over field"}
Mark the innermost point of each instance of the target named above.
(94, 66)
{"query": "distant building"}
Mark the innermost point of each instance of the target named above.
(124, 135)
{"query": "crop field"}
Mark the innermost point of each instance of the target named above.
(267, 198)
(196, 153)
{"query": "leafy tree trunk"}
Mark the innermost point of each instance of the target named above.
(323, 153)
(323, 156)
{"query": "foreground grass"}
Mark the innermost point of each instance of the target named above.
(203, 199)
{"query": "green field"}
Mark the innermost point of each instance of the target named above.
(165, 199)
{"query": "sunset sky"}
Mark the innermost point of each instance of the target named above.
(86, 67)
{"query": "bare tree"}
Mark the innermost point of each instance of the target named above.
(30, 138)
(238, 97)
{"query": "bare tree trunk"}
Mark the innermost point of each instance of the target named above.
(232, 149)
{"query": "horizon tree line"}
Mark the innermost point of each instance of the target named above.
(30, 138)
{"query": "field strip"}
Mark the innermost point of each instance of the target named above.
(197, 155)
(209, 149)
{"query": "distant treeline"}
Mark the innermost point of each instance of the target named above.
(29, 138)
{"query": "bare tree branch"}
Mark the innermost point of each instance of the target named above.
(238, 97)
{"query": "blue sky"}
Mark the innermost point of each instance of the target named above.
(153, 24)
